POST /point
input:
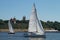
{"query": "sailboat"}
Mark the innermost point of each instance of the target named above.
(11, 31)
(35, 28)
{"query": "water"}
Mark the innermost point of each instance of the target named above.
(19, 36)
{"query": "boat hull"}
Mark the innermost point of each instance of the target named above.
(34, 35)
(40, 36)
(11, 33)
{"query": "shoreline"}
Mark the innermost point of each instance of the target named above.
(22, 30)
(15, 30)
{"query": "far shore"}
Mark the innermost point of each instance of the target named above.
(24, 30)
(16, 30)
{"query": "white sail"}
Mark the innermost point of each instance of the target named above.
(34, 24)
(10, 27)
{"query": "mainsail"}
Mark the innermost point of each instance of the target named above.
(34, 24)
(10, 27)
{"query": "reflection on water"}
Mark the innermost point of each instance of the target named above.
(36, 38)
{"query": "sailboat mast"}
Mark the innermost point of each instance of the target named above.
(34, 24)
(10, 27)
(35, 12)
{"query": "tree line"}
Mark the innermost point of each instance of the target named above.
(23, 24)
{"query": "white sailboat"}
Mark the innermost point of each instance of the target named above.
(11, 31)
(35, 27)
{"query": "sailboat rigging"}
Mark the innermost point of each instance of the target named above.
(11, 31)
(35, 28)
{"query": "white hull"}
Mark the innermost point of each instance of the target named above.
(34, 35)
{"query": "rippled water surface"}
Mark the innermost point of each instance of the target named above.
(19, 36)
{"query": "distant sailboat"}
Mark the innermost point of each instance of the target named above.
(35, 27)
(10, 28)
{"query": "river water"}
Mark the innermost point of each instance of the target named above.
(19, 36)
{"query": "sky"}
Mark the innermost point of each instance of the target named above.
(46, 9)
